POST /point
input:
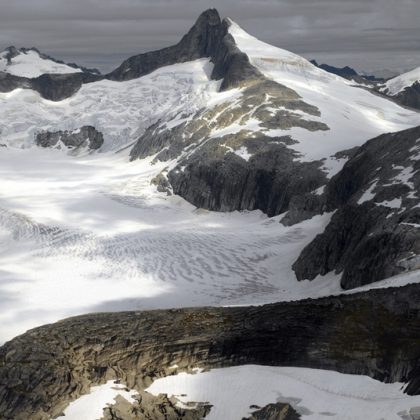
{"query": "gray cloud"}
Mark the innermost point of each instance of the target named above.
(368, 35)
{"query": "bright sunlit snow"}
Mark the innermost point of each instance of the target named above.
(90, 406)
(353, 114)
(313, 393)
(31, 64)
(399, 83)
(120, 110)
(88, 234)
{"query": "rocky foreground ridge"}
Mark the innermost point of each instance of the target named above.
(375, 333)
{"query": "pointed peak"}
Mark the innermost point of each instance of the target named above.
(212, 16)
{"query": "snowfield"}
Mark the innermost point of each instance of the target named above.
(30, 64)
(313, 393)
(120, 110)
(89, 233)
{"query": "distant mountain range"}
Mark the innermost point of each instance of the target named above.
(346, 72)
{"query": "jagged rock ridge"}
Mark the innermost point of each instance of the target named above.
(373, 333)
(374, 234)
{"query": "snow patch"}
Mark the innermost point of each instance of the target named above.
(90, 406)
(313, 393)
(368, 194)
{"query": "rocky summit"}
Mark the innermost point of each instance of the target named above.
(225, 229)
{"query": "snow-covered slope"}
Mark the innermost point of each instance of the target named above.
(31, 63)
(120, 110)
(314, 394)
(399, 83)
(73, 224)
(352, 113)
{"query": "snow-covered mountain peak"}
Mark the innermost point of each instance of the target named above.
(264, 55)
(30, 63)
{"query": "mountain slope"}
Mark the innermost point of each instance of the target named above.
(280, 134)
(399, 83)
(405, 88)
(374, 233)
(30, 63)
(248, 127)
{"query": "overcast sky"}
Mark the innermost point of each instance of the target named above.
(366, 34)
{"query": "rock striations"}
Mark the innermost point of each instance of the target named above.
(374, 232)
(374, 333)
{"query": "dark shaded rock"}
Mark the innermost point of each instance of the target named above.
(57, 87)
(208, 37)
(9, 82)
(275, 411)
(11, 52)
(410, 96)
(374, 234)
(213, 175)
(373, 333)
(267, 181)
(231, 64)
(84, 137)
(201, 41)
(348, 73)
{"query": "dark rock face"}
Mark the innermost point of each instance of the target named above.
(244, 170)
(152, 407)
(374, 333)
(410, 96)
(85, 137)
(57, 87)
(267, 181)
(374, 233)
(207, 38)
(9, 82)
(277, 411)
(54, 87)
(201, 41)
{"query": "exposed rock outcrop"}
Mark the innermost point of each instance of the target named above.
(373, 333)
(152, 407)
(207, 38)
(86, 137)
(275, 411)
(410, 96)
(243, 170)
(374, 233)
